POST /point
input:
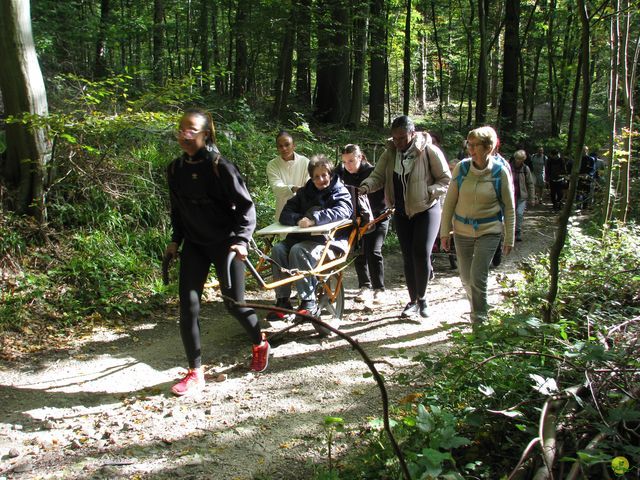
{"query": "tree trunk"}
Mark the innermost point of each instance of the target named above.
(421, 83)
(303, 51)
(361, 32)
(614, 83)
(157, 66)
(555, 130)
(495, 73)
(574, 108)
(563, 220)
(406, 77)
(241, 71)
(217, 58)
(332, 88)
(630, 75)
(283, 75)
(100, 68)
(378, 69)
(204, 46)
(440, 61)
(481, 90)
(509, 98)
(22, 86)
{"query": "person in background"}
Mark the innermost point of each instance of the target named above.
(413, 173)
(212, 215)
(323, 199)
(478, 208)
(523, 188)
(538, 162)
(287, 172)
(554, 176)
(370, 263)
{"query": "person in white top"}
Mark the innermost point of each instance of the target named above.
(286, 173)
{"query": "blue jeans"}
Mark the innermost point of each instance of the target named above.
(474, 257)
(304, 255)
(521, 206)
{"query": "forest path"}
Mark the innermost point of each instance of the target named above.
(103, 408)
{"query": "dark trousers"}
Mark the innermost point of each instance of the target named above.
(417, 236)
(195, 261)
(370, 264)
(555, 188)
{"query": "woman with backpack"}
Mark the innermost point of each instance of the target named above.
(212, 215)
(370, 263)
(478, 207)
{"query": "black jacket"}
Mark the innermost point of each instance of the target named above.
(210, 203)
(376, 199)
(323, 206)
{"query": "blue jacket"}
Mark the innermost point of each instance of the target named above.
(323, 206)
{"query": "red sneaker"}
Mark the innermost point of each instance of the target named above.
(260, 359)
(192, 382)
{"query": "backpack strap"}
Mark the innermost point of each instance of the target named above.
(465, 165)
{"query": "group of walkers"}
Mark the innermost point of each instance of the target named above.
(479, 203)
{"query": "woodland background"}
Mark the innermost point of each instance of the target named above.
(91, 94)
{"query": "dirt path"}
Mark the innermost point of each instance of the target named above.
(103, 409)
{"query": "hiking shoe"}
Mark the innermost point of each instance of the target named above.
(423, 308)
(363, 295)
(281, 303)
(260, 355)
(378, 296)
(192, 382)
(410, 310)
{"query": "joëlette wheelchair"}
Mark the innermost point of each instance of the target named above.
(328, 271)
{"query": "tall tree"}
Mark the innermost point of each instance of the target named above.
(509, 98)
(100, 69)
(361, 32)
(563, 221)
(406, 77)
(23, 91)
(332, 86)
(241, 70)
(378, 69)
(440, 60)
(157, 66)
(482, 82)
(203, 31)
(303, 51)
(283, 75)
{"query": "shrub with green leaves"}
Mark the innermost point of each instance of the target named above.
(498, 387)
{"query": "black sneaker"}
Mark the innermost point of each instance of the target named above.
(423, 308)
(410, 310)
(281, 303)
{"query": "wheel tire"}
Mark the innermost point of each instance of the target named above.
(330, 312)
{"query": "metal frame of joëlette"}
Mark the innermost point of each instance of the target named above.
(321, 267)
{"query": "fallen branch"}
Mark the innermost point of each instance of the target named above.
(370, 364)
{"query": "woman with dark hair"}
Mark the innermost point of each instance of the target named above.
(370, 263)
(413, 173)
(212, 215)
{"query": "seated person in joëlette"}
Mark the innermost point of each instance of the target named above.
(324, 199)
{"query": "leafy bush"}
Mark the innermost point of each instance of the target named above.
(493, 384)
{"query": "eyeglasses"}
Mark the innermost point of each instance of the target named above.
(187, 134)
(472, 144)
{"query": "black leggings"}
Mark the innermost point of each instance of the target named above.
(195, 261)
(417, 236)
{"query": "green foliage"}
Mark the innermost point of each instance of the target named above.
(481, 401)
